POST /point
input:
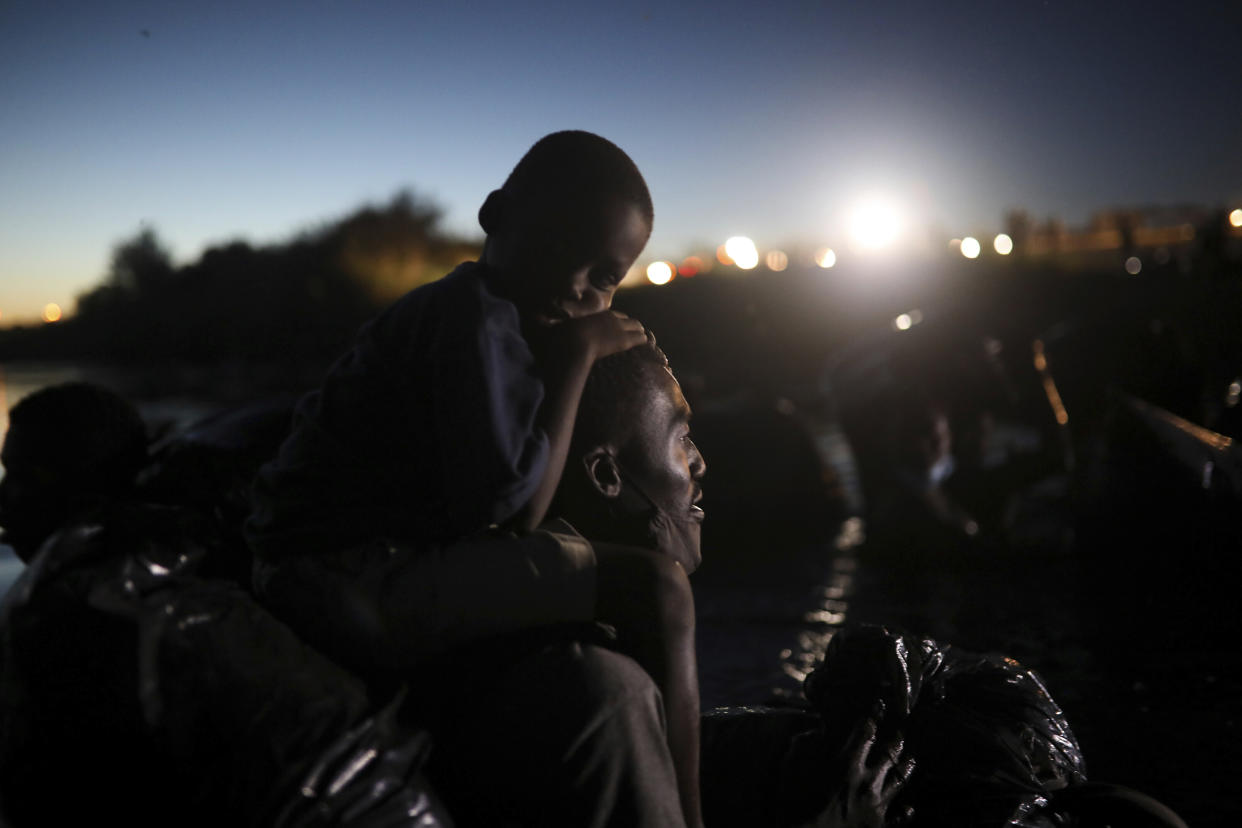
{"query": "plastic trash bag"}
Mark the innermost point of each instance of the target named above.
(129, 686)
(989, 742)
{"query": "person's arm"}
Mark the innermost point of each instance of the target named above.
(647, 598)
(566, 353)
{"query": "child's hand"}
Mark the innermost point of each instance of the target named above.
(605, 333)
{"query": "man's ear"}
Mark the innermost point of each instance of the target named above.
(491, 214)
(602, 472)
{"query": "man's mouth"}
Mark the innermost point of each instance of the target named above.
(696, 511)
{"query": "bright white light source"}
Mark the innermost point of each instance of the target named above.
(776, 260)
(1003, 244)
(659, 273)
(903, 322)
(51, 312)
(826, 257)
(971, 247)
(1235, 218)
(1133, 265)
(875, 224)
(742, 251)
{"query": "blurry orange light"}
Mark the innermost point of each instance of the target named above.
(971, 247)
(690, 266)
(826, 258)
(742, 251)
(776, 260)
(659, 273)
(51, 312)
(723, 257)
(1002, 244)
(1235, 218)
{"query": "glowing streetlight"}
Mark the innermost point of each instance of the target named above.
(742, 251)
(659, 273)
(903, 322)
(826, 257)
(51, 312)
(875, 224)
(1002, 244)
(1235, 218)
(971, 247)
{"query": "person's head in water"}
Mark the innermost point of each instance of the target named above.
(566, 226)
(633, 474)
(68, 448)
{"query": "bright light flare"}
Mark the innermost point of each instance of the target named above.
(659, 273)
(826, 257)
(971, 247)
(1235, 218)
(51, 312)
(742, 251)
(776, 260)
(903, 322)
(1002, 244)
(875, 224)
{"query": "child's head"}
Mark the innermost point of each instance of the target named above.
(68, 446)
(566, 226)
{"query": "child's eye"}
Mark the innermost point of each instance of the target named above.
(605, 279)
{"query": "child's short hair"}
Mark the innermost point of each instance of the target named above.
(577, 162)
(85, 431)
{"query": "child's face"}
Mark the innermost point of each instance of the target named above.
(560, 261)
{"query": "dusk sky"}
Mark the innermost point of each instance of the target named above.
(220, 120)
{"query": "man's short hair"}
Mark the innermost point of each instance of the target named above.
(84, 430)
(613, 390)
(579, 163)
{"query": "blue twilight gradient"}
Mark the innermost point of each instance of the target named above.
(217, 120)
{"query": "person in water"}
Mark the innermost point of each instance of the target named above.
(404, 518)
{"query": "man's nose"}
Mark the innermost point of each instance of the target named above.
(698, 466)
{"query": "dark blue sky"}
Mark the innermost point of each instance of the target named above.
(218, 120)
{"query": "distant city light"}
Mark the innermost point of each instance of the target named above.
(1003, 244)
(1235, 218)
(971, 247)
(659, 273)
(908, 320)
(875, 224)
(825, 257)
(742, 251)
(776, 260)
(51, 312)
(690, 266)
(723, 256)
(1133, 265)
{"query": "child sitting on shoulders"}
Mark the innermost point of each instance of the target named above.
(400, 519)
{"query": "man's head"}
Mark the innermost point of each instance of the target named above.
(633, 474)
(566, 226)
(68, 447)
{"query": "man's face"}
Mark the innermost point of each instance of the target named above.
(663, 464)
(560, 261)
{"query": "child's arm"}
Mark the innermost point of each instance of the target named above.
(568, 351)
